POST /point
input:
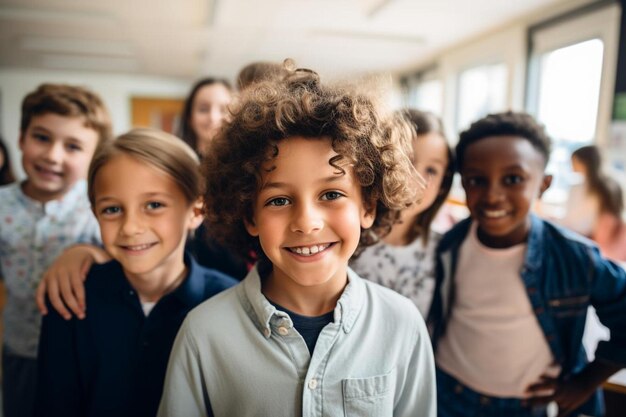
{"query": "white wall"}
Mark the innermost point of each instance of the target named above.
(116, 91)
(506, 44)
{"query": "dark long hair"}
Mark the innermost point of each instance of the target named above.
(186, 132)
(6, 170)
(605, 188)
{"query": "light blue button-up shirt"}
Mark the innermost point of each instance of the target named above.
(32, 236)
(237, 355)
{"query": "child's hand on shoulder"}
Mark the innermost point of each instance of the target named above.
(63, 282)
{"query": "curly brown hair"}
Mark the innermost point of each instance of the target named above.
(375, 143)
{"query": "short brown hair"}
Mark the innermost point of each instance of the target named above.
(376, 144)
(69, 101)
(163, 151)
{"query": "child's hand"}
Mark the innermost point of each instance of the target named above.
(64, 280)
(568, 395)
(574, 392)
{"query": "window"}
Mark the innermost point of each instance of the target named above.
(424, 91)
(481, 90)
(429, 96)
(568, 88)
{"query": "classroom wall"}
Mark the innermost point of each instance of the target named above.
(115, 90)
(508, 44)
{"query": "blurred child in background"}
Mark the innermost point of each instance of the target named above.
(60, 128)
(404, 260)
(600, 206)
(204, 112)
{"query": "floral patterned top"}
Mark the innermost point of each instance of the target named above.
(408, 270)
(32, 236)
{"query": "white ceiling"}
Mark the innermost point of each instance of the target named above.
(190, 38)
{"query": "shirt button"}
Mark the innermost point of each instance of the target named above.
(267, 332)
(312, 383)
(283, 331)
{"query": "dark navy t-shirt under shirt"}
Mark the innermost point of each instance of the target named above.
(309, 327)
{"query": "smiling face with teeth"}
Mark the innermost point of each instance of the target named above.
(144, 218)
(56, 151)
(503, 176)
(308, 217)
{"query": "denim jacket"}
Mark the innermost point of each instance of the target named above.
(563, 274)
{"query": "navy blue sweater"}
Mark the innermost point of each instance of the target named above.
(113, 362)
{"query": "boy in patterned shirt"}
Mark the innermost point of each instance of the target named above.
(60, 128)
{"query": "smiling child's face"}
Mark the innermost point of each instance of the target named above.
(503, 176)
(144, 217)
(56, 152)
(308, 215)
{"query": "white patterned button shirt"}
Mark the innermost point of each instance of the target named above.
(32, 236)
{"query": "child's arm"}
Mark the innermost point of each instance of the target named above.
(59, 391)
(574, 392)
(608, 297)
(184, 390)
(64, 280)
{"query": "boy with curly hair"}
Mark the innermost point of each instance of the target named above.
(304, 174)
(513, 290)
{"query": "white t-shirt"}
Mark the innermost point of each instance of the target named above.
(408, 270)
(493, 342)
(147, 307)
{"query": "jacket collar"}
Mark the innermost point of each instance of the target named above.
(534, 256)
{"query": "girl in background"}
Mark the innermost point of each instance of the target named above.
(583, 204)
(204, 111)
(404, 259)
(602, 202)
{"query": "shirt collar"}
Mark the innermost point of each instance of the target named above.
(69, 199)
(190, 292)
(264, 313)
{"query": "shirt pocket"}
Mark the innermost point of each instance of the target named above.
(569, 306)
(371, 396)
